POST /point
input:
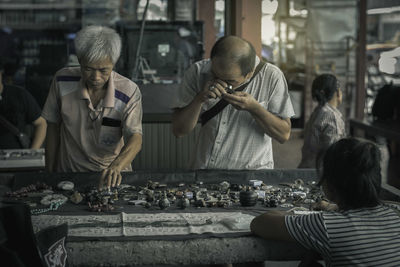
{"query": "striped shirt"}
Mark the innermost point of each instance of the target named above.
(233, 139)
(92, 137)
(361, 237)
(324, 127)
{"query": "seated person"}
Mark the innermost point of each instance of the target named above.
(94, 114)
(18, 111)
(359, 229)
(325, 125)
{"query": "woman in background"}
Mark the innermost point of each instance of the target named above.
(325, 125)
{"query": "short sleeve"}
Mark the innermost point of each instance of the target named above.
(309, 230)
(133, 113)
(51, 109)
(188, 89)
(279, 99)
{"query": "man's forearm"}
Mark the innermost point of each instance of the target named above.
(185, 119)
(272, 125)
(51, 148)
(39, 134)
(128, 152)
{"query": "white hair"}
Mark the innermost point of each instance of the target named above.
(94, 43)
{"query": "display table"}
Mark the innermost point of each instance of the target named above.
(135, 235)
(22, 159)
(387, 129)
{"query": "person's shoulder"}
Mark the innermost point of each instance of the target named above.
(203, 62)
(14, 88)
(329, 112)
(271, 68)
(68, 74)
(201, 66)
(125, 85)
(271, 71)
(322, 118)
(15, 92)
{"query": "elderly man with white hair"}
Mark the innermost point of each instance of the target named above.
(94, 114)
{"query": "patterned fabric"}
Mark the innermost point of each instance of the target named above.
(361, 237)
(91, 138)
(233, 139)
(324, 127)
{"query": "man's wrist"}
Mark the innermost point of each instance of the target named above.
(199, 99)
(116, 165)
(255, 108)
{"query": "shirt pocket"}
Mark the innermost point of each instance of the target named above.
(110, 133)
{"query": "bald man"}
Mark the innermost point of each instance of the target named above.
(238, 136)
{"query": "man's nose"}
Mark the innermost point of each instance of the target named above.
(95, 75)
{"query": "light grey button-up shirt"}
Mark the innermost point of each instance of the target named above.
(233, 139)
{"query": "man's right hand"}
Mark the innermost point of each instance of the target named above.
(212, 89)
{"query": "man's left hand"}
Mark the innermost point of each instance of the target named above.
(110, 177)
(241, 101)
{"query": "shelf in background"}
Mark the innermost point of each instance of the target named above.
(30, 6)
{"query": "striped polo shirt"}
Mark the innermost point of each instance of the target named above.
(324, 127)
(361, 237)
(91, 138)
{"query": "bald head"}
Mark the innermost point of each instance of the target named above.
(235, 50)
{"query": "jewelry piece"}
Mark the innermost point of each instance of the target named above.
(23, 192)
(53, 206)
(53, 198)
(54, 201)
(65, 185)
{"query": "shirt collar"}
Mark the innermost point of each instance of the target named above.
(108, 100)
(335, 110)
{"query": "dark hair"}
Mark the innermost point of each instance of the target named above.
(246, 59)
(352, 171)
(1, 64)
(324, 87)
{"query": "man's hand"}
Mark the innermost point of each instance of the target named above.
(110, 177)
(325, 206)
(241, 101)
(213, 89)
(274, 126)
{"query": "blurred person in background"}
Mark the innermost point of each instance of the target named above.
(21, 124)
(326, 124)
